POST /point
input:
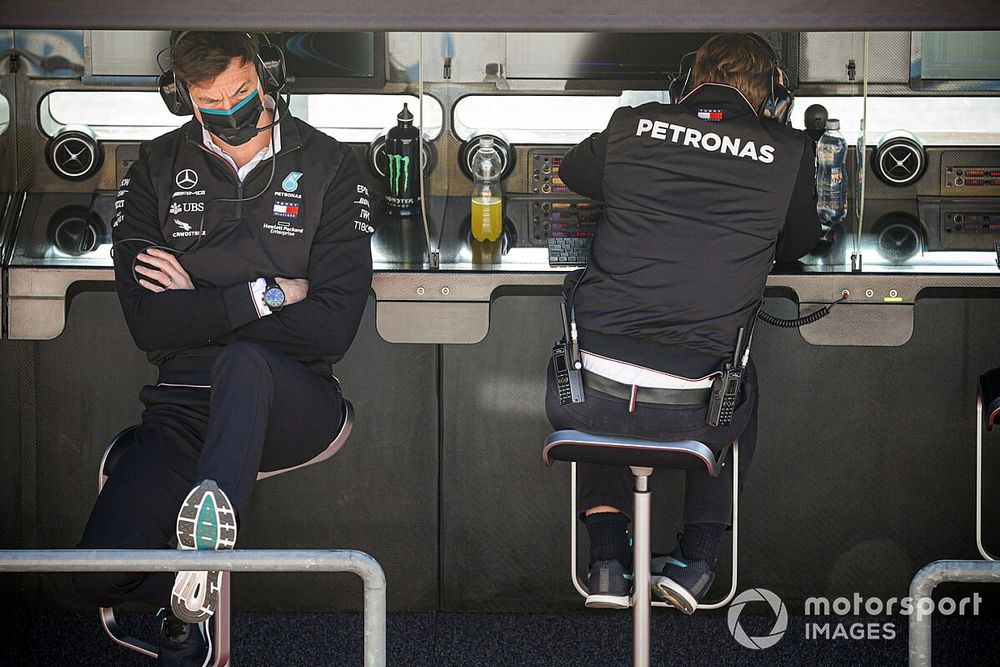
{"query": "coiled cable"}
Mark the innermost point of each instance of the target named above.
(799, 321)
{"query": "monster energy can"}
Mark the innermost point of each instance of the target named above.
(402, 189)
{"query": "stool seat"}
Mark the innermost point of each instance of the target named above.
(581, 447)
(126, 438)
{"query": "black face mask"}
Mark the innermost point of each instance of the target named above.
(235, 126)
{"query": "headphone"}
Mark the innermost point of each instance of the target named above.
(777, 104)
(270, 70)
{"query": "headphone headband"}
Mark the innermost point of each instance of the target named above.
(270, 66)
(777, 103)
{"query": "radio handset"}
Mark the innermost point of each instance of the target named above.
(726, 388)
(567, 363)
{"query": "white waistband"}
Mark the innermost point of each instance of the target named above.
(640, 376)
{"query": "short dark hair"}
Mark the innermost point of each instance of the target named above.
(740, 60)
(199, 57)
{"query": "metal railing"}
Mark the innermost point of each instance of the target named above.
(248, 560)
(923, 585)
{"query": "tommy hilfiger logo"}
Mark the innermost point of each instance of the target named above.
(286, 210)
(713, 115)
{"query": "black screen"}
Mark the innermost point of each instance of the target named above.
(328, 55)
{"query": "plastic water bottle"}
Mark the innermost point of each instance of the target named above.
(831, 156)
(487, 198)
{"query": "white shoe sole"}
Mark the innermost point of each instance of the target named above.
(669, 591)
(608, 602)
(206, 521)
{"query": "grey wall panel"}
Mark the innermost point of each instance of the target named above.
(693, 15)
(379, 494)
(10, 443)
(86, 390)
(864, 468)
(505, 535)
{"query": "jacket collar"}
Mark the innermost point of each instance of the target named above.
(718, 97)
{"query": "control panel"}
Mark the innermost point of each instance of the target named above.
(567, 227)
(969, 223)
(973, 177)
(970, 173)
(545, 178)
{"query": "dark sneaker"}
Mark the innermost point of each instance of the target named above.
(610, 586)
(680, 582)
(206, 521)
(183, 644)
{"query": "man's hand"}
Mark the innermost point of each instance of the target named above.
(167, 274)
(295, 289)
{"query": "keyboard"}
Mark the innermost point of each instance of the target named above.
(569, 250)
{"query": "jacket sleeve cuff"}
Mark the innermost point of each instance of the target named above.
(243, 304)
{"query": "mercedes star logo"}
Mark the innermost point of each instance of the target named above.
(186, 179)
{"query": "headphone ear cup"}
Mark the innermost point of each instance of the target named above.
(779, 105)
(174, 94)
(271, 68)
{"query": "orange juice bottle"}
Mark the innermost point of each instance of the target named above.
(487, 198)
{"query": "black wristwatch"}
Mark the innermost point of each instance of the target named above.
(274, 296)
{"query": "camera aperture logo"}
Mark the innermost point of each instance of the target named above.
(855, 618)
(780, 620)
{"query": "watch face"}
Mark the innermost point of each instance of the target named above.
(274, 297)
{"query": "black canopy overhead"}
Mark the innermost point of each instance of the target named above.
(504, 15)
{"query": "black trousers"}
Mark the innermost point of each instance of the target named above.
(706, 499)
(263, 411)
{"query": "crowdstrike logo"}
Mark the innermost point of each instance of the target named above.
(186, 230)
(780, 618)
(186, 179)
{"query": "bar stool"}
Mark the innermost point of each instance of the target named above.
(642, 456)
(987, 413)
(221, 643)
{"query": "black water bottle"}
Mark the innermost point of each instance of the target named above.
(402, 189)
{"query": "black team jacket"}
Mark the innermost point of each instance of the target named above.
(313, 221)
(699, 198)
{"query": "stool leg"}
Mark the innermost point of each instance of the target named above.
(222, 624)
(979, 479)
(113, 630)
(736, 534)
(641, 532)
